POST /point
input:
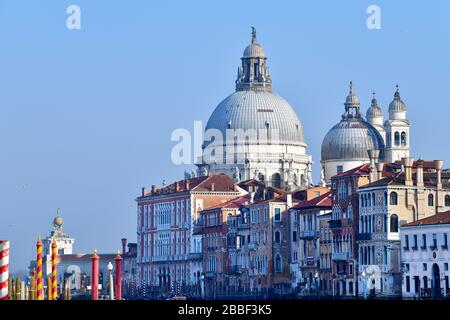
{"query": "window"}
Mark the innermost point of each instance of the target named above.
(434, 242)
(447, 200)
(276, 180)
(424, 242)
(394, 223)
(408, 289)
(385, 198)
(277, 214)
(393, 198)
(446, 266)
(277, 237)
(445, 245)
(406, 242)
(294, 236)
(339, 169)
(424, 267)
(397, 138)
(415, 242)
(277, 263)
(403, 139)
(430, 200)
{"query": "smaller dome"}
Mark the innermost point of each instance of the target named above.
(352, 99)
(374, 111)
(254, 50)
(397, 105)
(58, 221)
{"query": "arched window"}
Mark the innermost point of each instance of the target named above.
(394, 223)
(385, 198)
(393, 198)
(403, 138)
(397, 138)
(277, 263)
(447, 201)
(430, 200)
(277, 237)
(276, 180)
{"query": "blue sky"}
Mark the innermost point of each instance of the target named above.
(86, 115)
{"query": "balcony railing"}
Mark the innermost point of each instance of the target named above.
(414, 248)
(433, 247)
(444, 247)
(195, 256)
(341, 256)
(335, 224)
(309, 234)
(210, 274)
(363, 236)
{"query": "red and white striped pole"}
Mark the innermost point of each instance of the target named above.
(4, 269)
(39, 284)
(54, 272)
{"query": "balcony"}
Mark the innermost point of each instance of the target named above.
(334, 224)
(423, 248)
(444, 247)
(414, 248)
(310, 234)
(340, 256)
(406, 248)
(251, 246)
(195, 256)
(363, 236)
(433, 247)
(210, 274)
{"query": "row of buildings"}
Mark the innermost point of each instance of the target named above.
(216, 237)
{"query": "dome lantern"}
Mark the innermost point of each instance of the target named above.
(254, 74)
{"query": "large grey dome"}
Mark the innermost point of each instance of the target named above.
(258, 110)
(350, 139)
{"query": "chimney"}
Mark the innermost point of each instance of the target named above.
(153, 189)
(144, 191)
(124, 245)
(289, 200)
(187, 185)
(212, 187)
(177, 186)
(380, 167)
(438, 164)
(419, 173)
(407, 164)
(373, 156)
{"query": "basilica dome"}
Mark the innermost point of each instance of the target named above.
(350, 139)
(266, 128)
(259, 110)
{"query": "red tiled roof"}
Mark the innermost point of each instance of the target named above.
(361, 170)
(325, 200)
(231, 204)
(438, 218)
(221, 182)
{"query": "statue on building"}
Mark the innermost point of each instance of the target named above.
(237, 174)
(193, 175)
(204, 171)
(322, 182)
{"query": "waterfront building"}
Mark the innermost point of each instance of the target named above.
(306, 256)
(325, 250)
(416, 191)
(221, 246)
(344, 226)
(169, 248)
(425, 257)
